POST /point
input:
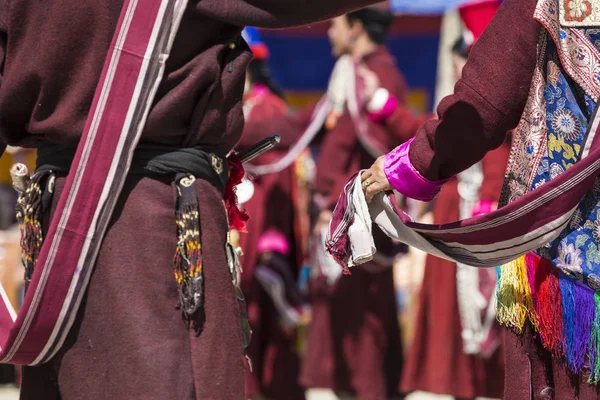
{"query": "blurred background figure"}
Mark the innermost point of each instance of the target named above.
(456, 344)
(347, 313)
(11, 269)
(276, 242)
(354, 341)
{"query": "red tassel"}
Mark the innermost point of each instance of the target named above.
(548, 303)
(237, 217)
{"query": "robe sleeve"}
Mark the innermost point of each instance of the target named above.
(290, 126)
(277, 13)
(402, 123)
(489, 99)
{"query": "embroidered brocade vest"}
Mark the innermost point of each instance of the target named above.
(557, 290)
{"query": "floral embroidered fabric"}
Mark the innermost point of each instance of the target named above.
(568, 109)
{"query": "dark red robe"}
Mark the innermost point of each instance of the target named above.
(129, 341)
(488, 101)
(436, 361)
(354, 342)
(275, 361)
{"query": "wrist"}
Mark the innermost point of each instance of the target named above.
(405, 178)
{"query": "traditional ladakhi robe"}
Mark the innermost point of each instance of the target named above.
(534, 67)
(275, 245)
(128, 339)
(354, 342)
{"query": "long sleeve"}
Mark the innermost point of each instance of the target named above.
(489, 99)
(404, 123)
(277, 13)
(289, 126)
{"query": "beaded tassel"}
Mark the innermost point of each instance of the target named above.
(34, 198)
(187, 263)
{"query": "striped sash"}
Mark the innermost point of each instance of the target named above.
(487, 240)
(130, 77)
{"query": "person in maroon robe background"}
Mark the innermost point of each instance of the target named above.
(272, 246)
(354, 342)
(354, 339)
(436, 361)
(128, 340)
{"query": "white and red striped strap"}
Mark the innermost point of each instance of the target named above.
(130, 77)
(486, 240)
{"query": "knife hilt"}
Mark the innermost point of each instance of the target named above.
(258, 148)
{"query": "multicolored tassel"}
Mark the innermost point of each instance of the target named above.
(548, 303)
(578, 313)
(563, 311)
(514, 302)
(34, 198)
(594, 377)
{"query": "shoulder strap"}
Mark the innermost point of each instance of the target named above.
(132, 71)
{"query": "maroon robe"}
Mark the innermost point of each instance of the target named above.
(275, 362)
(354, 342)
(128, 340)
(436, 361)
(488, 101)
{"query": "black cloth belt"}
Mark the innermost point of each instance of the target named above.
(149, 160)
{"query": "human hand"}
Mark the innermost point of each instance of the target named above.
(374, 180)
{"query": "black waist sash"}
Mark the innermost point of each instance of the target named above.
(184, 166)
(149, 160)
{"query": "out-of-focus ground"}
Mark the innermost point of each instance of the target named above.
(11, 393)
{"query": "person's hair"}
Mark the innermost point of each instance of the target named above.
(260, 73)
(376, 22)
(460, 48)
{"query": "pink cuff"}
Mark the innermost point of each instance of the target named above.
(384, 112)
(404, 177)
(483, 207)
(273, 241)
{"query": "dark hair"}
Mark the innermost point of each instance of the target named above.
(376, 22)
(261, 73)
(460, 48)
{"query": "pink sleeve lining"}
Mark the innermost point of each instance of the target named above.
(382, 106)
(404, 177)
